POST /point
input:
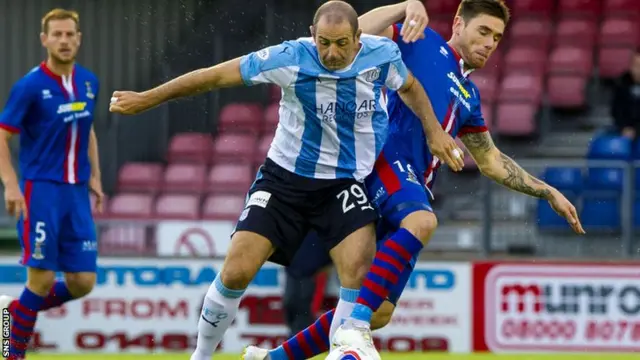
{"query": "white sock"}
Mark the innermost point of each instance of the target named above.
(345, 306)
(218, 311)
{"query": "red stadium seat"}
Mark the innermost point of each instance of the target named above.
(178, 207)
(493, 66)
(185, 178)
(619, 32)
(567, 91)
(487, 113)
(263, 148)
(235, 148)
(131, 206)
(223, 207)
(442, 27)
(576, 33)
(521, 87)
(190, 147)
(230, 178)
(271, 118)
(622, 8)
(613, 62)
(240, 117)
(525, 59)
(275, 93)
(531, 31)
(516, 119)
(126, 240)
(487, 84)
(579, 8)
(528, 8)
(444, 8)
(141, 177)
(571, 61)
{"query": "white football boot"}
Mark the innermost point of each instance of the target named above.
(354, 334)
(255, 353)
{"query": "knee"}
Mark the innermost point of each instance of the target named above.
(382, 317)
(236, 276)
(421, 224)
(80, 284)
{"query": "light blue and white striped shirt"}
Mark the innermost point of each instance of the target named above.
(333, 124)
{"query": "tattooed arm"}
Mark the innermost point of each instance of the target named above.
(503, 170)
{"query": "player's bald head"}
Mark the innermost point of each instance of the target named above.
(336, 12)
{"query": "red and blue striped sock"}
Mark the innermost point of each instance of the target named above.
(308, 343)
(58, 295)
(391, 259)
(24, 313)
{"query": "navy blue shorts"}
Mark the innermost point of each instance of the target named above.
(59, 233)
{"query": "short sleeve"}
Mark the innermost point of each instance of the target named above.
(396, 32)
(273, 65)
(475, 123)
(16, 107)
(398, 72)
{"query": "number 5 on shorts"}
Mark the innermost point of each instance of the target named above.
(360, 198)
(41, 234)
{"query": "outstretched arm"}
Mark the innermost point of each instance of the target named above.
(274, 65)
(505, 171)
(379, 21)
(219, 76)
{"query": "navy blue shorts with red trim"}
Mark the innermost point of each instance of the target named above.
(397, 190)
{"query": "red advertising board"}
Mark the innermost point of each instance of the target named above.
(556, 307)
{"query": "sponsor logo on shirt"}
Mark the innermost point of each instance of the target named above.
(72, 107)
(461, 88)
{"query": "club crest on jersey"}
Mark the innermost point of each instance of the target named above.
(46, 94)
(372, 75)
(263, 54)
(90, 93)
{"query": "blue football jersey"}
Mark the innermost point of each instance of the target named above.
(455, 100)
(53, 115)
(332, 124)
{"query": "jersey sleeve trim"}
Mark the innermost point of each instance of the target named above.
(472, 129)
(396, 32)
(9, 128)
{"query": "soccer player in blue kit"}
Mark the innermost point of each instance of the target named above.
(405, 170)
(52, 109)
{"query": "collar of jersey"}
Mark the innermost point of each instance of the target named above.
(465, 73)
(54, 76)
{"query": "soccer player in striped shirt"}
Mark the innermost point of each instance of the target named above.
(333, 124)
(52, 109)
(405, 170)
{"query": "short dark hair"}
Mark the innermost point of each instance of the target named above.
(469, 9)
(336, 12)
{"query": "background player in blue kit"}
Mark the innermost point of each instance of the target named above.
(405, 170)
(52, 109)
(332, 125)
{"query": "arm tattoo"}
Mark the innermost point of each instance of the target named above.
(478, 143)
(516, 179)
